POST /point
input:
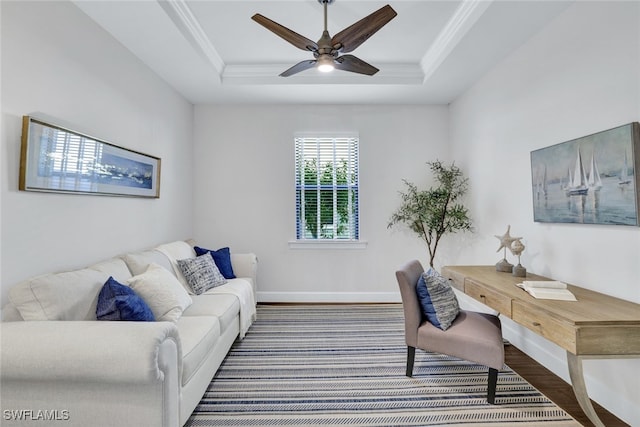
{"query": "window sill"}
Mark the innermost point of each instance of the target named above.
(327, 244)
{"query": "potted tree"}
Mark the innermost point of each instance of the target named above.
(437, 211)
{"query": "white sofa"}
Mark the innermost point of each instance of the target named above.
(58, 362)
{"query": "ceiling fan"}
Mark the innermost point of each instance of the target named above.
(327, 51)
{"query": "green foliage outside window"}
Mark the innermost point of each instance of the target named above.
(333, 221)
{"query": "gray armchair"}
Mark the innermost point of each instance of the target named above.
(473, 336)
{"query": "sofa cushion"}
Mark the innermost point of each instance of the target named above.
(225, 307)
(162, 292)
(201, 273)
(222, 258)
(114, 267)
(72, 295)
(11, 314)
(175, 251)
(119, 302)
(198, 335)
(138, 262)
(437, 299)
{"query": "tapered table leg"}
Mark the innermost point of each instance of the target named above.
(580, 388)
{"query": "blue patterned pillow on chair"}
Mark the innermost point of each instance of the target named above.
(437, 299)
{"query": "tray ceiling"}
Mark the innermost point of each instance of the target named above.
(211, 51)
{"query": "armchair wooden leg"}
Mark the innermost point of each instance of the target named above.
(411, 355)
(491, 386)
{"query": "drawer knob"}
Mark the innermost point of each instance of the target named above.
(536, 323)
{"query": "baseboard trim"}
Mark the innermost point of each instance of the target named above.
(329, 297)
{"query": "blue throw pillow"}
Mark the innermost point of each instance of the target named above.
(119, 302)
(222, 258)
(438, 301)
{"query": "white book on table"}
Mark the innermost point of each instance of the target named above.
(547, 289)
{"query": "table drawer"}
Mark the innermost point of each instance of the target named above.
(487, 296)
(542, 323)
(455, 279)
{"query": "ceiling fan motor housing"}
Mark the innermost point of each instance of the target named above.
(325, 46)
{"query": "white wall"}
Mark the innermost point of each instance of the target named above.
(244, 193)
(57, 62)
(578, 76)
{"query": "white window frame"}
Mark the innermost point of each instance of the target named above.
(352, 240)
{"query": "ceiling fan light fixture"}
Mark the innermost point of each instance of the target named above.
(325, 64)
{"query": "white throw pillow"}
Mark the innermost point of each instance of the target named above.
(175, 251)
(71, 295)
(162, 292)
(138, 262)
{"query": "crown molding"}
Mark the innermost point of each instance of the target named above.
(183, 18)
(390, 73)
(458, 26)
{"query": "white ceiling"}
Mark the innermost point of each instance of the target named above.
(212, 52)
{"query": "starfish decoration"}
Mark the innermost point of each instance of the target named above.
(506, 240)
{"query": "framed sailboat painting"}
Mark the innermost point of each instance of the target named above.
(594, 179)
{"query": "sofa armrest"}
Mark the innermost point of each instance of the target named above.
(246, 265)
(89, 351)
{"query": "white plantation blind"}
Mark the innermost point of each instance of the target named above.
(326, 188)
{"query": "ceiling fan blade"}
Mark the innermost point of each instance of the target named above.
(353, 36)
(301, 42)
(300, 66)
(355, 65)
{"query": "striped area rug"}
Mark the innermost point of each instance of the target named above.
(314, 365)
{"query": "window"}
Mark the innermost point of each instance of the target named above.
(326, 188)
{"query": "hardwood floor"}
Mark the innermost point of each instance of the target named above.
(555, 388)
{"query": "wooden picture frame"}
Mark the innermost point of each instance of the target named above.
(589, 180)
(59, 160)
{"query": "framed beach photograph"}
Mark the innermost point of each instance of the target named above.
(56, 159)
(589, 180)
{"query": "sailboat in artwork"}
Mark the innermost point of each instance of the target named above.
(565, 183)
(593, 179)
(624, 173)
(541, 185)
(577, 184)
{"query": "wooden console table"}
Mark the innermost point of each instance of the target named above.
(596, 326)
